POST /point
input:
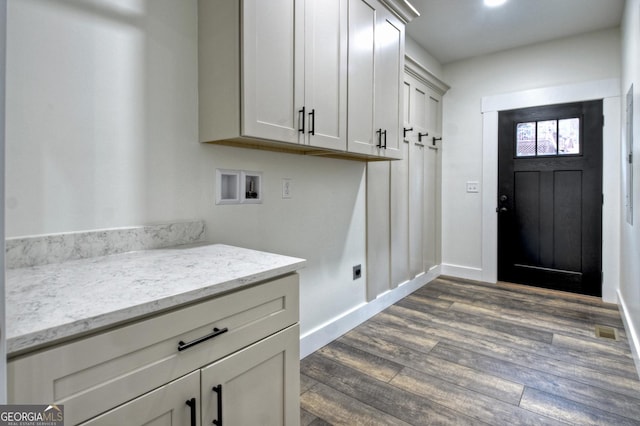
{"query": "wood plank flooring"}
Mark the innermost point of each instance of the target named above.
(458, 352)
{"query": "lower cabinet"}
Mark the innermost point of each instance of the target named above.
(163, 370)
(257, 385)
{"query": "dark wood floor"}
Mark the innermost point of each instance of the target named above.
(458, 352)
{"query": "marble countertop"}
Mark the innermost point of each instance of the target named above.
(49, 303)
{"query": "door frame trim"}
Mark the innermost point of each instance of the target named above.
(609, 91)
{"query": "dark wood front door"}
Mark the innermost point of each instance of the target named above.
(550, 197)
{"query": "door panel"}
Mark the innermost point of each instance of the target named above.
(431, 206)
(400, 218)
(527, 216)
(326, 72)
(550, 197)
(388, 79)
(567, 222)
(164, 406)
(361, 101)
(378, 228)
(258, 385)
(416, 208)
(272, 61)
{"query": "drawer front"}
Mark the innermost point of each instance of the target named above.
(97, 373)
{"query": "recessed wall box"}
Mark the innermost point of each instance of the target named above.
(251, 190)
(228, 186)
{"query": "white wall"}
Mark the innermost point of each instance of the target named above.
(431, 64)
(588, 57)
(102, 132)
(323, 222)
(629, 293)
(102, 114)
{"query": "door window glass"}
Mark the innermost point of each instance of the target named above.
(547, 134)
(569, 136)
(548, 138)
(526, 139)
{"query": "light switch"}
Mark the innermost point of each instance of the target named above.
(473, 186)
(287, 188)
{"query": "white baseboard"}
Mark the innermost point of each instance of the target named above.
(325, 334)
(632, 333)
(464, 272)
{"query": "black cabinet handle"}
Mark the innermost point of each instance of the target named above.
(436, 140)
(405, 130)
(216, 332)
(385, 139)
(379, 133)
(312, 122)
(421, 135)
(192, 404)
(301, 114)
(218, 391)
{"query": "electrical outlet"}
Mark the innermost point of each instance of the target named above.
(287, 188)
(473, 186)
(357, 272)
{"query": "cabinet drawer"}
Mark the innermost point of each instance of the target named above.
(97, 373)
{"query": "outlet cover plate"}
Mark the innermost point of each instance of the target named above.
(357, 272)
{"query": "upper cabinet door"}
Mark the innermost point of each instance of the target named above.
(376, 46)
(273, 63)
(325, 73)
(361, 109)
(389, 81)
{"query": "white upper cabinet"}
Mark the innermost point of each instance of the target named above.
(275, 74)
(273, 70)
(250, 63)
(325, 76)
(376, 49)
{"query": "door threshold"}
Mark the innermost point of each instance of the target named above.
(567, 295)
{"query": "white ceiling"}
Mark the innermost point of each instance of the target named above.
(451, 30)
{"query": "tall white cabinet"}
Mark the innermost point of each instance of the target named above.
(404, 238)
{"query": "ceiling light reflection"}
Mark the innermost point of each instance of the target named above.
(494, 3)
